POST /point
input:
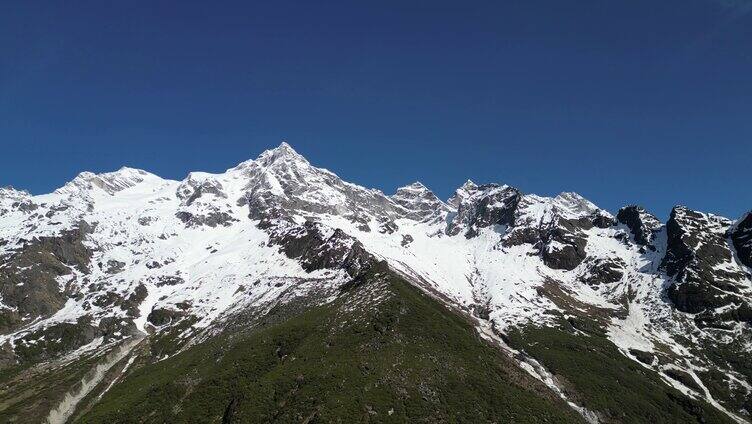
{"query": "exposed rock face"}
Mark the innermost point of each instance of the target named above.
(420, 203)
(482, 206)
(604, 271)
(700, 260)
(211, 219)
(564, 243)
(281, 180)
(318, 248)
(163, 316)
(741, 236)
(11, 198)
(125, 302)
(642, 224)
(198, 185)
(31, 278)
(113, 266)
(557, 227)
(203, 202)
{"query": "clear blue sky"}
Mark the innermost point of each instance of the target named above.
(645, 102)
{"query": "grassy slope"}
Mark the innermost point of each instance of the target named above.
(735, 356)
(408, 359)
(27, 394)
(604, 380)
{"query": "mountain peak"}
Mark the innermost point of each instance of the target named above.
(469, 185)
(420, 202)
(462, 193)
(416, 186)
(416, 189)
(284, 149)
(575, 205)
(283, 152)
(109, 182)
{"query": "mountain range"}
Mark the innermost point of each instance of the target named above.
(277, 292)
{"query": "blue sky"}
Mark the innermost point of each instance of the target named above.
(645, 102)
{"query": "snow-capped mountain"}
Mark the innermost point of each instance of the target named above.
(115, 257)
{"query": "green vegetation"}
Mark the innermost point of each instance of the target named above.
(53, 341)
(734, 356)
(598, 377)
(382, 352)
(168, 343)
(27, 394)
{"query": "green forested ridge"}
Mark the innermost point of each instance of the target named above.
(382, 352)
(28, 393)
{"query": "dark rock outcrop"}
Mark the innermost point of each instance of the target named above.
(482, 206)
(53, 341)
(603, 271)
(741, 236)
(316, 250)
(212, 219)
(642, 356)
(419, 202)
(558, 228)
(698, 258)
(29, 276)
(642, 224)
(564, 243)
(194, 188)
(164, 316)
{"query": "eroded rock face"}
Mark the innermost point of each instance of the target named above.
(564, 243)
(641, 223)
(163, 316)
(603, 271)
(419, 203)
(31, 278)
(108, 299)
(318, 248)
(482, 206)
(11, 198)
(281, 180)
(59, 338)
(741, 236)
(198, 185)
(699, 259)
(557, 227)
(211, 219)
